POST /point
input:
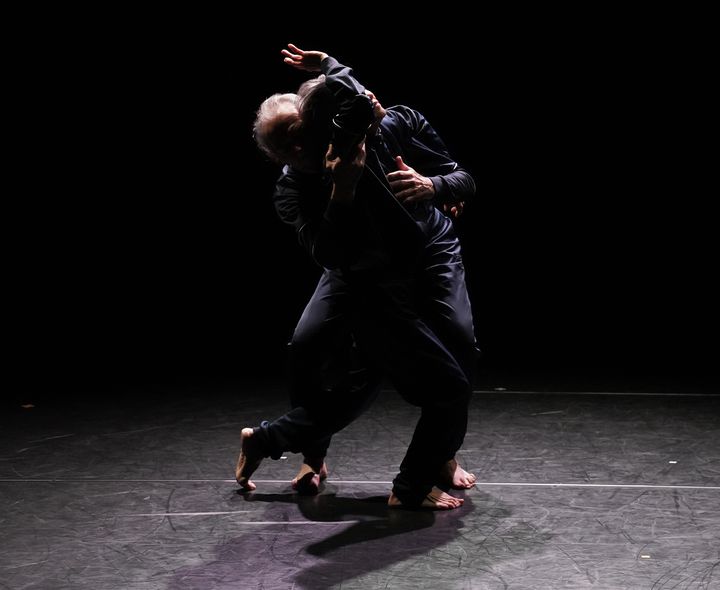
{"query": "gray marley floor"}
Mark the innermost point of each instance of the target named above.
(576, 491)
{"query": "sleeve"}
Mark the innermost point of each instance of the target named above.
(340, 80)
(431, 158)
(323, 233)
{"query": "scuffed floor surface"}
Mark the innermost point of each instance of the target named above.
(576, 491)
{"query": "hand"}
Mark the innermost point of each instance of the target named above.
(408, 185)
(455, 210)
(308, 61)
(345, 173)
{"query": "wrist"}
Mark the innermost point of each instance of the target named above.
(429, 185)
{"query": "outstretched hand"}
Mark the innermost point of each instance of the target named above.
(308, 61)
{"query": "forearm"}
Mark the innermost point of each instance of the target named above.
(340, 79)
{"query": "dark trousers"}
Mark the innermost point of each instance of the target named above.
(330, 384)
(412, 324)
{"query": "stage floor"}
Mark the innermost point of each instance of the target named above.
(135, 490)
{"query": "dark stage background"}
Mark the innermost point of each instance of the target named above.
(143, 245)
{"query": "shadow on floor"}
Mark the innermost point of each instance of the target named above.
(362, 538)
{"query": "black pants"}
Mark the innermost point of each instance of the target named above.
(327, 370)
(413, 325)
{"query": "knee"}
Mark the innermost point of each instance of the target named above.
(460, 394)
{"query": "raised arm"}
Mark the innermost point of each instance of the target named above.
(435, 175)
(338, 78)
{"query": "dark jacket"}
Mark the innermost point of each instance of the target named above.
(375, 230)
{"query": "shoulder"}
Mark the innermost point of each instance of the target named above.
(402, 114)
(401, 119)
(292, 180)
(288, 179)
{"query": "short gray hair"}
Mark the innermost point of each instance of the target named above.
(276, 124)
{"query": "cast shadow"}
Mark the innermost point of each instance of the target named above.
(371, 518)
(343, 539)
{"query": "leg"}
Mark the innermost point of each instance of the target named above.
(325, 366)
(445, 306)
(425, 373)
(318, 353)
(319, 409)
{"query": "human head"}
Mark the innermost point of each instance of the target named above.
(295, 128)
(277, 125)
(317, 106)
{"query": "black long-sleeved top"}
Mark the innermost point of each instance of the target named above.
(373, 230)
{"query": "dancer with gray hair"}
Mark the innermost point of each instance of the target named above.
(393, 275)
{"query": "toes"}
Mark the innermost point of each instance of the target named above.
(443, 501)
(447, 504)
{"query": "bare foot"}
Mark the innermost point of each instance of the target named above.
(435, 500)
(307, 481)
(248, 461)
(456, 477)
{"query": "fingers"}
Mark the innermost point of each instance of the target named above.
(400, 164)
(402, 195)
(296, 49)
(455, 210)
(359, 158)
(401, 183)
(293, 59)
(400, 175)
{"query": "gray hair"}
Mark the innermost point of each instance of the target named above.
(276, 124)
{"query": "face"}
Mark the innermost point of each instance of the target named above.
(378, 109)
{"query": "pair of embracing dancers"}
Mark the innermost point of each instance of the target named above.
(371, 193)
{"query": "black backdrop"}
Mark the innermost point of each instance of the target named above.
(142, 242)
